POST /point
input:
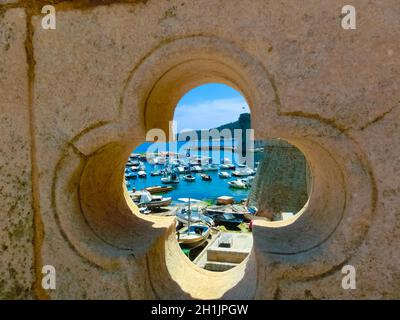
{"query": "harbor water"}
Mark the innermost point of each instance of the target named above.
(202, 190)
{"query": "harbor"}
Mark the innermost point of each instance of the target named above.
(208, 199)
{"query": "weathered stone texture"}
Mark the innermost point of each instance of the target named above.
(280, 184)
(108, 73)
(16, 226)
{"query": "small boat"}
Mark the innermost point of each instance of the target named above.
(210, 167)
(179, 169)
(228, 220)
(241, 165)
(196, 169)
(170, 179)
(238, 184)
(224, 175)
(239, 211)
(142, 174)
(193, 236)
(146, 199)
(155, 173)
(205, 177)
(195, 217)
(189, 178)
(130, 175)
(227, 166)
(134, 168)
(244, 172)
(158, 189)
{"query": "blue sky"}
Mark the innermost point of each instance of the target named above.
(209, 106)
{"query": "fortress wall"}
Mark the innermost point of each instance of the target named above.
(280, 184)
(76, 100)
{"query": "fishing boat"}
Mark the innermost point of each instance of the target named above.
(238, 184)
(170, 179)
(224, 175)
(146, 199)
(193, 235)
(189, 178)
(158, 189)
(142, 174)
(205, 177)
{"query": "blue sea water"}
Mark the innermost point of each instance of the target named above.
(201, 190)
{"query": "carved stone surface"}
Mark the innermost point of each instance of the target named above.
(109, 73)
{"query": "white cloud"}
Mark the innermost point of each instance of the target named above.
(209, 114)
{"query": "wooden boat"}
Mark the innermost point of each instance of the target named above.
(189, 178)
(158, 189)
(205, 177)
(193, 236)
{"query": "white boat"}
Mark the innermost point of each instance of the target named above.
(210, 167)
(194, 217)
(196, 169)
(224, 175)
(189, 178)
(227, 166)
(170, 179)
(193, 236)
(238, 184)
(142, 174)
(179, 169)
(243, 172)
(144, 198)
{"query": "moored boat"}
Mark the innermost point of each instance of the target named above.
(228, 220)
(158, 189)
(142, 174)
(238, 184)
(205, 177)
(146, 199)
(189, 178)
(224, 175)
(193, 236)
(170, 179)
(184, 217)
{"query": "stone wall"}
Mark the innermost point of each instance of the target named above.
(280, 184)
(75, 101)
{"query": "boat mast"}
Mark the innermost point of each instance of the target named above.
(189, 214)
